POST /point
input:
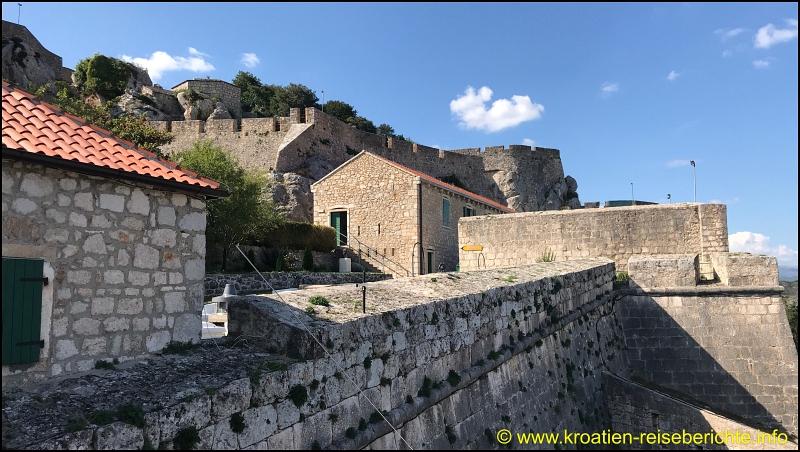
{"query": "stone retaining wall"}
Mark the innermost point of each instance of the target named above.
(637, 409)
(729, 348)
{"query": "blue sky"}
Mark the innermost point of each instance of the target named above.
(629, 93)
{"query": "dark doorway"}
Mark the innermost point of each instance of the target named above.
(339, 222)
(430, 262)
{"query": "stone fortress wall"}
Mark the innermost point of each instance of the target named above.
(616, 233)
(313, 144)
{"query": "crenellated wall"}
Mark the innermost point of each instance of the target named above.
(313, 144)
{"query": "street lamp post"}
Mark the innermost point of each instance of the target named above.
(694, 170)
(633, 198)
(323, 101)
(669, 198)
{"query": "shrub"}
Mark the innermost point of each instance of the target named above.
(297, 236)
(319, 300)
(131, 414)
(280, 263)
(186, 439)
(237, 423)
(299, 395)
(308, 259)
(547, 256)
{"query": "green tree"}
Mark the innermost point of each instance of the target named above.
(102, 75)
(340, 110)
(386, 130)
(247, 213)
(308, 259)
(256, 97)
(292, 96)
(362, 123)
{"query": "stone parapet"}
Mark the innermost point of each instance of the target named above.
(745, 269)
(252, 282)
(664, 270)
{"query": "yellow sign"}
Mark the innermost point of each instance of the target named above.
(472, 247)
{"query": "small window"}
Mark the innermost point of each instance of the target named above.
(469, 211)
(446, 212)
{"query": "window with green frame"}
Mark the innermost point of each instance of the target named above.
(446, 212)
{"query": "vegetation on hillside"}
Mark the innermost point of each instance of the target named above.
(137, 130)
(248, 214)
(99, 74)
(274, 100)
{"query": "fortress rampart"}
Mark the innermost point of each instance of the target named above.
(313, 144)
(230, 95)
(616, 233)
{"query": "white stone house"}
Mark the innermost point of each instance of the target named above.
(103, 245)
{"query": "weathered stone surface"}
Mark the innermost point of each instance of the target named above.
(231, 398)
(114, 203)
(145, 257)
(118, 436)
(157, 341)
(664, 270)
(261, 423)
(196, 413)
(187, 328)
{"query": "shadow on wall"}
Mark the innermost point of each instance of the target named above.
(695, 360)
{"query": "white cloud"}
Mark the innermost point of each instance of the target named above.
(677, 163)
(673, 75)
(197, 53)
(528, 142)
(724, 35)
(160, 62)
(761, 64)
(751, 242)
(250, 59)
(768, 35)
(727, 53)
(608, 89)
(472, 112)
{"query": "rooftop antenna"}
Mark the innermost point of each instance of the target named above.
(19, 11)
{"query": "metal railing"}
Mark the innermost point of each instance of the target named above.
(394, 266)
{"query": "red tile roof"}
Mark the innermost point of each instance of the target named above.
(453, 188)
(40, 128)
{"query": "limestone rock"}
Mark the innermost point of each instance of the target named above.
(293, 192)
(135, 104)
(23, 67)
(572, 184)
(191, 113)
(220, 112)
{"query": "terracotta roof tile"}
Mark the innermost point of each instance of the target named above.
(453, 188)
(40, 128)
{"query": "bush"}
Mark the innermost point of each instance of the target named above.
(297, 236)
(308, 259)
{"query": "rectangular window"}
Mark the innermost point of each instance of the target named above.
(446, 212)
(469, 211)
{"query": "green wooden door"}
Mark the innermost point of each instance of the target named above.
(339, 222)
(22, 309)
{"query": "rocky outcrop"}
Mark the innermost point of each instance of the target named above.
(293, 192)
(220, 112)
(132, 103)
(23, 66)
(196, 105)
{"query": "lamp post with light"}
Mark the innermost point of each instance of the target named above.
(694, 170)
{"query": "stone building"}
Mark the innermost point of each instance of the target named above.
(402, 219)
(103, 244)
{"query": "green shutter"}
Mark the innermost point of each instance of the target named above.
(446, 212)
(22, 309)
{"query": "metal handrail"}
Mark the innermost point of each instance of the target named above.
(377, 253)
